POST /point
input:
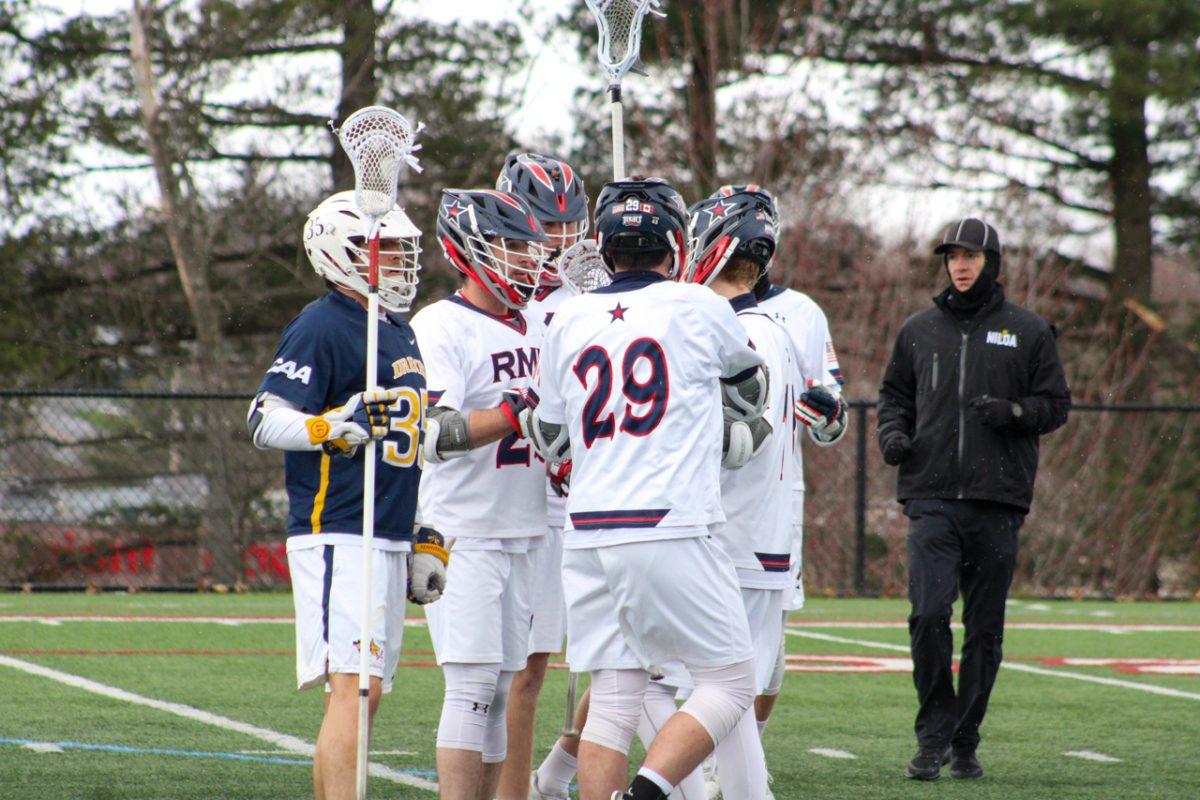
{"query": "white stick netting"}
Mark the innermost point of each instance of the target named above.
(378, 142)
(620, 24)
(582, 269)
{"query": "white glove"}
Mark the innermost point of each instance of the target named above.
(427, 566)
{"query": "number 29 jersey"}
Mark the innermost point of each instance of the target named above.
(633, 370)
(497, 491)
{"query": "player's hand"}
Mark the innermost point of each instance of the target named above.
(823, 412)
(427, 566)
(560, 477)
(446, 434)
(897, 449)
(518, 405)
(995, 412)
(365, 416)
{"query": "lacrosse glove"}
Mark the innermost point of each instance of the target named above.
(823, 413)
(427, 566)
(518, 405)
(365, 416)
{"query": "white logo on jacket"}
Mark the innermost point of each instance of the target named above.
(1002, 338)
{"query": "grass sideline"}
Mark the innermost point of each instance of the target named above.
(114, 748)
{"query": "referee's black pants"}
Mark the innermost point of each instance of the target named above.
(951, 544)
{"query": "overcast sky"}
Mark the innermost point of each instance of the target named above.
(555, 73)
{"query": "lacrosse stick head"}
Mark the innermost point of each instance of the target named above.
(620, 24)
(379, 143)
(582, 269)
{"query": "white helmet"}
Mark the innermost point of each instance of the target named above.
(335, 238)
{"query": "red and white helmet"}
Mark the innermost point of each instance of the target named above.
(335, 238)
(495, 240)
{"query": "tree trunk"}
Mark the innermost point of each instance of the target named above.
(1130, 173)
(702, 51)
(360, 84)
(189, 246)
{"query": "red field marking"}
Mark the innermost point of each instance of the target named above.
(1135, 666)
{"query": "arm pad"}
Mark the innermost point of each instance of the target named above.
(446, 434)
(745, 397)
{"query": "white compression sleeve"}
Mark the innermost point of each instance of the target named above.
(280, 425)
(658, 706)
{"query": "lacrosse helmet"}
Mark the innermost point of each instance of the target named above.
(557, 196)
(730, 189)
(641, 216)
(723, 226)
(495, 240)
(335, 239)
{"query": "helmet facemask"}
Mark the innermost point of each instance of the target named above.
(509, 269)
(399, 265)
(563, 236)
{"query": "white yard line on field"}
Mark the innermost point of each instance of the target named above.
(1015, 666)
(283, 741)
(830, 752)
(1090, 756)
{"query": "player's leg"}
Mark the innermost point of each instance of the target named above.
(616, 707)
(466, 626)
(697, 617)
(553, 778)
(337, 743)
(545, 637)
(658, 706)
(764, 704)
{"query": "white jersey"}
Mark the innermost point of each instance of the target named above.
(757, 533)
(805, 323)
(497, 491)
(542, 308)
(633, 370)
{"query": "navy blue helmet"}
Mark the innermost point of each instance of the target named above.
(495, 240)
(555, 193)
(727, 225)
(768, 199)
(641, 216)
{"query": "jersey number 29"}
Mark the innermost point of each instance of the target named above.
(644, 383)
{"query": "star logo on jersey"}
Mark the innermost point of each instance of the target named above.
(720, 210)
(618, 313)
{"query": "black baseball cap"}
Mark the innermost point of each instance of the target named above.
(972, 234)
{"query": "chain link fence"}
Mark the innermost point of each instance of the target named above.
(165, 491)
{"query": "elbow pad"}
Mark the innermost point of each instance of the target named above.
(742, 441)
(746, 398)
(446, 435)
(254, 418)
(551, 439)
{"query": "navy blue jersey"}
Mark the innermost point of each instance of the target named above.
(320, 363)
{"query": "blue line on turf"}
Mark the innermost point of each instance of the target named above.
(155, 751)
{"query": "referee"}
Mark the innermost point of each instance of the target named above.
(971, 385)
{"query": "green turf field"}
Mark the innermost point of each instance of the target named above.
(171, 707)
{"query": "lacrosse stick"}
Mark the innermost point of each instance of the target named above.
(620, 24)
(378, 142)
(582, 269)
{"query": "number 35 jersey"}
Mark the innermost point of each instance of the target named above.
(633, 370)
(497, 491)
(320, 363)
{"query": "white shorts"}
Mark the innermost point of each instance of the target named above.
(549, 608)
(764, 607)
(641, 605)
(794, 600)
(327, 591)
(484, 615)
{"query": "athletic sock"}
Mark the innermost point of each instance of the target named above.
(762, 726)
(649, 785)
(557, 771)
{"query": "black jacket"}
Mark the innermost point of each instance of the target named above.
(939, 364)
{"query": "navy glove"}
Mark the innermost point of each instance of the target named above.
(897, 449)
(995, 412)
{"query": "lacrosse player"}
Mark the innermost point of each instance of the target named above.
(732, 239)
(632, 383)
(558, 199)
(820, 410)
(482, 485)
(312, 405)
